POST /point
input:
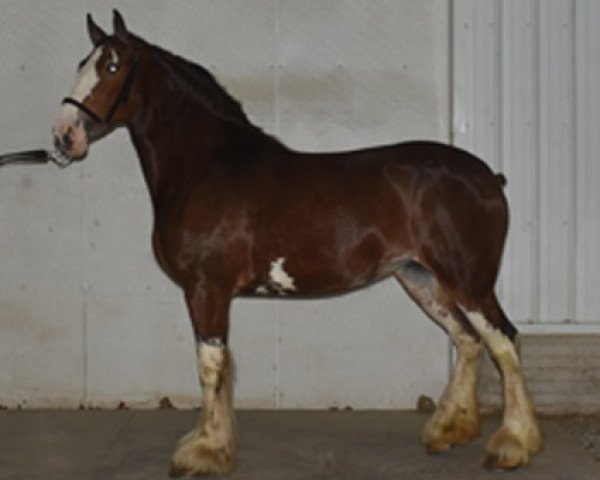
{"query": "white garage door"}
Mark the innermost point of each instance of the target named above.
(526, 97)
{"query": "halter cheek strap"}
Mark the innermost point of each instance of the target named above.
(83, 108)
(122, 97)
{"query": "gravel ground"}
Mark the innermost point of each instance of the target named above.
(587, 431)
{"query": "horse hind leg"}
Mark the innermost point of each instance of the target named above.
(519, 437)
(456, 419)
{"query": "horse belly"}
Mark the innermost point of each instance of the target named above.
(330, 242)
(328, 269)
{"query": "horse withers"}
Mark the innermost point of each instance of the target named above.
(236, 212)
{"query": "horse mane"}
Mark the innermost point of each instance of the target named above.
(202, 85)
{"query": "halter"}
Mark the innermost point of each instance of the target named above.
(122, 97)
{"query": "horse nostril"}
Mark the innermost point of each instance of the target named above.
(63, 142)
(66, 141)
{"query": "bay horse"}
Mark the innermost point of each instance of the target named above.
(236, 213)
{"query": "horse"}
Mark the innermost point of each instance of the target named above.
(237, 213)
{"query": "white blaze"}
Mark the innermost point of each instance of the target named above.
(87, 78)
(68, 123)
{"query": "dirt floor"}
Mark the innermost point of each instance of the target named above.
(128, 445)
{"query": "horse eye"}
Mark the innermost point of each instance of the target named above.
(112, 68)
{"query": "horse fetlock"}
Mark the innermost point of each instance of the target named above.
(199, 454)
(189, 437)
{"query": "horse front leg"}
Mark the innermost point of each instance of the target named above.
(210, 447)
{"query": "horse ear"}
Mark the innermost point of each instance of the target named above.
(119, 26)
(97, 35)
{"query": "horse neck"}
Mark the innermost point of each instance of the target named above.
(171, 123)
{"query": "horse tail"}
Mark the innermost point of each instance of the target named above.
(501, 179)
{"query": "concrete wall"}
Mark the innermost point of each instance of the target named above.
(86, 317)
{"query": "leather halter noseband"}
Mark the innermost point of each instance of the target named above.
(122, 97)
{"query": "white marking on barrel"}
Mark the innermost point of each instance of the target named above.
(262, 290)
(280, 278)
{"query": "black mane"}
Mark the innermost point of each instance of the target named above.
(202, 85)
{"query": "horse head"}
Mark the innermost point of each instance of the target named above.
(102, 96)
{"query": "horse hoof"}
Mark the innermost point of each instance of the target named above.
(180, 471)
(176, 472)
(508, 458)
(439, 437)
(506, 451)
(193, 460)
(437, 447)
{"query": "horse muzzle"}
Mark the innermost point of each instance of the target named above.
(70, 133)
